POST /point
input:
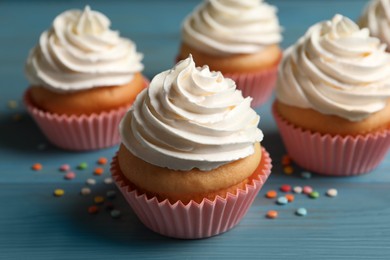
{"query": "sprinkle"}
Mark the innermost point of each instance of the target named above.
(306, 175)
(115, 213)
(111, 194)
(91, 181)
(286, 160)
(271, 194)
(98, 171)
(93, 209)
(64, 168)
(17, 117)
(58, 192)
(98, 199)
(109, 206)
(41, 146)
(285, 188)
(36, 167)
(298, 189)
(301, 212)
(12, 104)
(82, 166)
(272, 214)
(331, 193)
(102, 161)
(85, 191)
(314, 194)
(282, 200)
(108, 180)
(288, 170)
(70, 176)
(290, 197)
(307, 189)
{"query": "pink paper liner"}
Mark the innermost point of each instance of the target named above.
(193, 220)
(258, 85)
(333, 155)
(79, 133)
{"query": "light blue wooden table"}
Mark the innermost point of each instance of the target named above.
(36, 225)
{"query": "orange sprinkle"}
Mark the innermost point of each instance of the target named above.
(98, 171)
(102, 161)
(272, 214)
(93, 209)
(288, 170)
(271, 194)
(36, 167)
(286, 160)
(290, 197)
(98, 199)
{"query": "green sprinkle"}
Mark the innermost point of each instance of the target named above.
(82, 166)
(314, 194)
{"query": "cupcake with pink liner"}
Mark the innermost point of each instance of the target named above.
(240, 39)
(83, 78)
(332, 99)
(190, 163)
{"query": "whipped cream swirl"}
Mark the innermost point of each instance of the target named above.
(376, 17)
(80, 52)
(337, 69)
(225, 27)
(191, 117)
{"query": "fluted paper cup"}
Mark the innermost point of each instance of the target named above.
(193, 220)
(333, 155)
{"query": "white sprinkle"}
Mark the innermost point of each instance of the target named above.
(85, 191)
(331, 193)
(108, 180)
(91, 181)
(297, 189)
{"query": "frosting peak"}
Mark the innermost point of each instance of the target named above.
(337, 69)
(80, 52)
(190, 117)
(224, 27)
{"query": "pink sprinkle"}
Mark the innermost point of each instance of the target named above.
(65, 168)
(70, 176)
(307, 189)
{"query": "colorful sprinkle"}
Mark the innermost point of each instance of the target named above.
(331, 193)
(286, 160)
(64, 167)
(98, 199)
(307, 189)
(288, 170)
(285, 188)
(70, 176)
(98, 171)
(93, 209)
(301, 212)
(314, 194)
(282, 200)
(298, 189)
(115, 213)
(12, 104)
(306, 175)
(109, 206)
(58, 192)
(82, 166)
(102, 161)
(271, 194)
(272, 214)
(290, 197)
(90, 181)
(85, 191)
(108, 180)
(17, 117)
(37, 167)
(111, 194)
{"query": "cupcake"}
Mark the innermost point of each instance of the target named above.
(332, 99)
(376, 18)
(190, 163)
(240, 39)
(83, 78)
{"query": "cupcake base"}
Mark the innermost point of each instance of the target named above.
(193, 220)
(333, 155)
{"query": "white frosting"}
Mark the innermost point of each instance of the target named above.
(80, 52)
(191, 117)
(225, 27)
(337, 69)
(376, 17)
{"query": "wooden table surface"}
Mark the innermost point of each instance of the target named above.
(36, 225)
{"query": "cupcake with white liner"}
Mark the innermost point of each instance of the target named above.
(190, 163)
(83, 78)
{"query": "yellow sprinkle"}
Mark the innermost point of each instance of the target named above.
(288, 170)
(59, 192)
(99, 199)
(12, 104)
